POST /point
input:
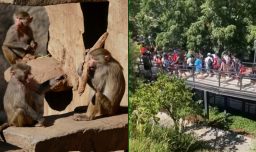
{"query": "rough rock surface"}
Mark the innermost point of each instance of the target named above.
(65, 134)
(42, 69)
(48, 2)
(66, 45)
(117, 41)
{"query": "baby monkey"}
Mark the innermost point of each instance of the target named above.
(19, 42)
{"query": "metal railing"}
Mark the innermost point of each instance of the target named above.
(229, 80)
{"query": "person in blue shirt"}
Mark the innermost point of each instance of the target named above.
(198, 64)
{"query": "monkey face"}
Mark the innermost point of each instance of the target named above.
(18, 22)
(22, 74)
(92, 63)
(21, 22)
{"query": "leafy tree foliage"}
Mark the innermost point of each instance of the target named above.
(169, 93)
(197, 24)
(133, 55)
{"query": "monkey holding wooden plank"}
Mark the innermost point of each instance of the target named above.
(105, 76)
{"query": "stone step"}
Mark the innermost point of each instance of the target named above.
(62, 133)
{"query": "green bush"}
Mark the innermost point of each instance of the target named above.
(227, 121)
(133, 55)
(171, 94)
(168, 93)
(160, 139)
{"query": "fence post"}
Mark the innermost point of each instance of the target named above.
(193, 74)
(241, 80)
(206, 105)
(219, 76)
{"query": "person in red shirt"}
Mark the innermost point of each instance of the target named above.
(175, 57)
(143, 49)
(158, 61)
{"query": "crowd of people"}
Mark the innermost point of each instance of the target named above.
(177, 60)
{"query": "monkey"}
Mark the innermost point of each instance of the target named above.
(105, 78)
(19, 42)
(23, 98)
(83, 73)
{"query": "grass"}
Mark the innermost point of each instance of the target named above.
(147, 144)
(244, 124)
(158, 139)
(234, 123)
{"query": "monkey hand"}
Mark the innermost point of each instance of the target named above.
(97, 92)
(28, 48)
(28, 57)
(81, 89)
(80, 69)
(33, 45)
(57, 82)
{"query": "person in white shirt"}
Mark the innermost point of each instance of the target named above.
(208, 63)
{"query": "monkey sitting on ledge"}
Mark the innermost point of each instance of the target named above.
(23, 98)
(105, 77)
(19, 44)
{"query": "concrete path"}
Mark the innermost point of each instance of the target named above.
(225, 141)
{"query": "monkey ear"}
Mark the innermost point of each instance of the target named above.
(12, 72)
(30, 19)
(107, 58)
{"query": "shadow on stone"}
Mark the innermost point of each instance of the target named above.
(83, 109)
(59, 100)
(7, 147)
(49, 120)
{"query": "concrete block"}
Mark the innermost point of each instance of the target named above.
(64, 134)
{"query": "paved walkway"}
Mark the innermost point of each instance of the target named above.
(220, 140)
(225, 140)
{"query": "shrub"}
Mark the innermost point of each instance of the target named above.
(169, 93)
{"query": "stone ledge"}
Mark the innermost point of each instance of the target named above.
(64, 134)
(45, 2)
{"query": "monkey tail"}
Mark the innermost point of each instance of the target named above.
(2, 128)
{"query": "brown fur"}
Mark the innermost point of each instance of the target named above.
(23, 99)
(19, 39)
(106, 79)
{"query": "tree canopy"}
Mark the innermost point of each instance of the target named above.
(196, 24)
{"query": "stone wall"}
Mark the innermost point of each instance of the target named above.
(117, 41)
(66, 44)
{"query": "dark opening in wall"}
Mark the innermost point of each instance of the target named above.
(59, 100)
(95, 21)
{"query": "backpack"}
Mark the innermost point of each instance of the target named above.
(166, 63)
(146, 62)
(209, 62)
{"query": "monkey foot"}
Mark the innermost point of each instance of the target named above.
(75, 88)
(81, 117)
(81, 90)
(40, 123)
